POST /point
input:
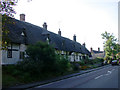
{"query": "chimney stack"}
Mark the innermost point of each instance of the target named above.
(45, 25)
(59, 32)
(98, 49)
(91, 49)
(84, 44)
(22, 17)
(74, 38)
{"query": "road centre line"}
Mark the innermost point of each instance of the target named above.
(98, 76)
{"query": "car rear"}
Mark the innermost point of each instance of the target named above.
(114, 62)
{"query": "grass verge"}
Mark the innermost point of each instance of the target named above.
(12, 77)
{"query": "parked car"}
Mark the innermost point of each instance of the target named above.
(115, 62)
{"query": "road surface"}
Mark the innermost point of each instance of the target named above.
(103, 78)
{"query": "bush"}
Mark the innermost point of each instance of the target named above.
(8, 68)
(62, 64)
(42, 59)
(75, 66)
(81, 63)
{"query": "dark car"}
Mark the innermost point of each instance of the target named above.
(115, 62)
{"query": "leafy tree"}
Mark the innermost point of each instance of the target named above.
(6, 10)
(7, 7)
(109, 45)
(43, 59)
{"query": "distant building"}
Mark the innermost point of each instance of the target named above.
(23, 33)
(96, 54)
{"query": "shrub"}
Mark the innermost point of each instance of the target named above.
(8, 68)
(75, 66)
(81, 62)
(42, 59)
(62, 64)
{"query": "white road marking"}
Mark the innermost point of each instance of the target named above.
(112, 69)
(70, 78)
(108, 73)
(98, 76)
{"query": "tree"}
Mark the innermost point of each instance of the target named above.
(6, 10)
(43, 59)
(6, 7)
(109, 45)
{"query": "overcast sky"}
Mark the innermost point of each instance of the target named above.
(87, 19)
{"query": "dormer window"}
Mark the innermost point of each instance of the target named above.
(22, 34)
(48, 40)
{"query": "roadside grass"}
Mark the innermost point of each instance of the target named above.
(11, 76)
(8, 80)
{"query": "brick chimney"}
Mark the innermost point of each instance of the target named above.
(45, 25)
(84, 44)
(59, 32)
(22, 17)
(98, 49)
(74, 38)
(91, 49)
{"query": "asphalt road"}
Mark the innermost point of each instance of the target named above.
(102, 78)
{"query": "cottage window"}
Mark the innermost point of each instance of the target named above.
(22, 55)
(80, 57)
(62, 52)
(77, 57)
(83, 57)
(9, 53)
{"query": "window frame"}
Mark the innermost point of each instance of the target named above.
(9, 53)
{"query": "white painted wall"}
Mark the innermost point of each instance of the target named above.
(21, 48)
(15, 54)
(77, 57)
(13, 60)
